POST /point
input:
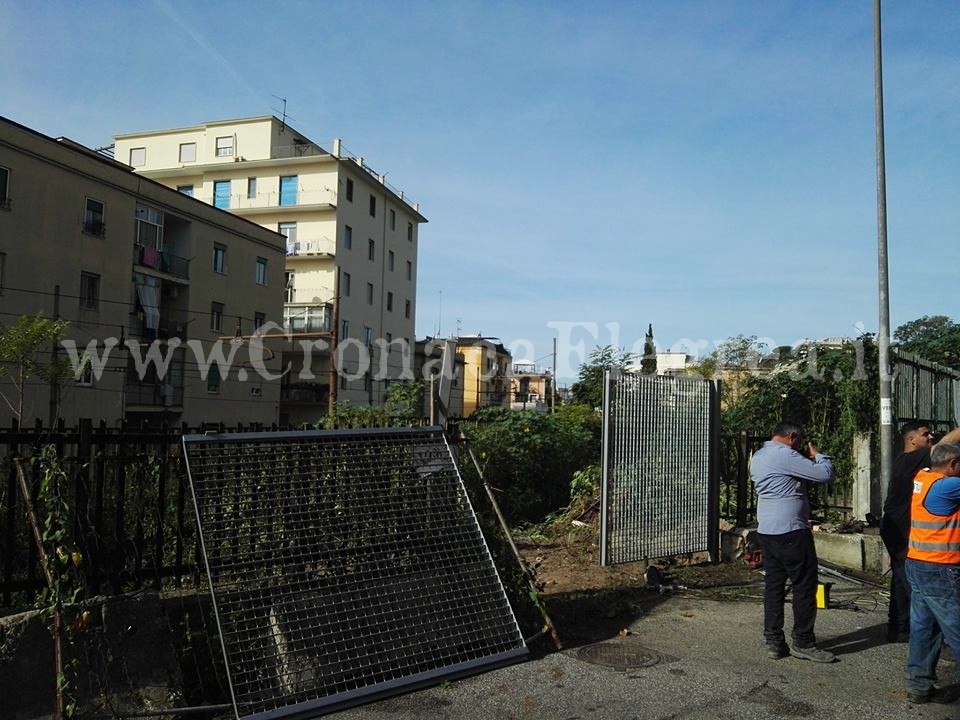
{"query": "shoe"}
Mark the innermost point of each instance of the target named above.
(812, 653)
(941, 696)
(777, 650)
(898, 636)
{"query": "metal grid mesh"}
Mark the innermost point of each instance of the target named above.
(343, 564)
(657, 471)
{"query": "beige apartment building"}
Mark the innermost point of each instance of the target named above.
(351, 246)
(128, 261)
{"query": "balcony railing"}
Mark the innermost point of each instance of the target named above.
(307, 318)
(238, 202)
(299, 150)
(321, 246)
(172, 325)
(5, 203)
(152, 393)
(303, 393)
(162, 260)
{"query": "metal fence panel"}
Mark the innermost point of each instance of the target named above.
(344, 565)
(660, 494)
(924, 390)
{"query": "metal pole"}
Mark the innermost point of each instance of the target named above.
(886, 409)
(334, 340)
(54, 377)
(553, 387)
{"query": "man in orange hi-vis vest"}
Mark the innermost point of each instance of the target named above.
(933, 571)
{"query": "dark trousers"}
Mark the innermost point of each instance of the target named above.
(898, 616)
(792, 556)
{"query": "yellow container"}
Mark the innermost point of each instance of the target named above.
(823, 595)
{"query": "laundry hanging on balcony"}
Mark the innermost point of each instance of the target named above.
(148, 291)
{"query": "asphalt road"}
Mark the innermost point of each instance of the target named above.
(705, 659)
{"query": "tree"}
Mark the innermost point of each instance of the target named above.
(933, 337)
(740, 352)
(648, 364)
(588, 390)
(21, 344)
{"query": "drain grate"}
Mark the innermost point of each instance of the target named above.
(619, 654)
(344, 565)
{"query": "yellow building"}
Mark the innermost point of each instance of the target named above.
(486, 381)
(348, 231)
(128, 261)
(530, 388)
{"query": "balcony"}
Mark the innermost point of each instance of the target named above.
(304, 392)
(307, 318)
(152, 394)
(301, 248)
(298, 150)
(172, 324)
(274, 201)
(162, 260)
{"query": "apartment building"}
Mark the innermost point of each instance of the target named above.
(486, 376)
(351, 246)
(531, 388)
(133, 265)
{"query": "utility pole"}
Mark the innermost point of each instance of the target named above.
(553, 386)
(886, 406)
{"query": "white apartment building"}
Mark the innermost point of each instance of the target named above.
(126, 260)
(351, 263)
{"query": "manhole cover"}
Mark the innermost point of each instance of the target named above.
(619, 654)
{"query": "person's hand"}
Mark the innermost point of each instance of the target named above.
(811, 451)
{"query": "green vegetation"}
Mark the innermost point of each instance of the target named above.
(932, 337)
(588, 390)
(22, 344)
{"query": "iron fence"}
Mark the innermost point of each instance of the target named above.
(924, 390)
(129, 506)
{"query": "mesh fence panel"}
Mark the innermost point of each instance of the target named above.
(659, 490)
(344, 565)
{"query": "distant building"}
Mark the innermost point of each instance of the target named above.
(668, 363)
(348, 232)
(530, 388)
(486, 381)
(123, 257)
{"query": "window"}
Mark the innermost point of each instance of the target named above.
(347, 237)
(371, 249)
(89, 290)
(138, 157)
(389, 302)
(409, 270)
(219, 258)
(344, 328)
(185, 190)
(188, 152)
(349, 190)
(390, 261)
(221, 194)
(406, 309)
(4, 188)
(260, 274)
(93, 218)
(288, 283)
(368, 336)
(393, 219)
(216, 316)
(409, 232)
(289, 231)
(373, 206)
(288, 190)
(369, 293)
(149, 227)
(346, 284)
(259, 320)
(225, 146)
(389, 338)
(213, 379)
(251, 188)
(3, 267)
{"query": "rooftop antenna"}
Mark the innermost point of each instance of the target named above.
(439, 312)
(283, 113)
(459, 320)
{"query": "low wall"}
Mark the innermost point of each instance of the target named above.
(857, 551)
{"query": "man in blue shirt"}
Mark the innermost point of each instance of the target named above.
(781, 473)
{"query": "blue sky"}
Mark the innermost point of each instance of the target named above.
(705, 166)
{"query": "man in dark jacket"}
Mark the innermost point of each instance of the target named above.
(895, 524)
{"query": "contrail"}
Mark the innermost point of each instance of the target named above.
(168, 10)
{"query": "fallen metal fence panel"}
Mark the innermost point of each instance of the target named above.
(660, 481)
(343, 566)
